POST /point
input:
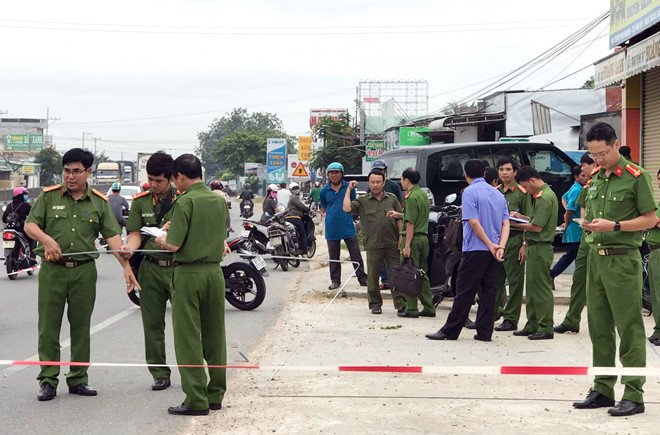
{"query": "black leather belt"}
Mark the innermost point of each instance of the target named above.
(178, 263)
(534, 242)
(161, 263)
(71, 263)
(654, 247)
(613, 251)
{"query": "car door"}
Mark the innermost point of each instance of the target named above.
(554, 168)
(444, 172)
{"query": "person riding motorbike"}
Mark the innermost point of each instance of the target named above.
(216, 186)
(16, 213)
(296, 210)
(247, 196)
(118, 203)
(269, 207)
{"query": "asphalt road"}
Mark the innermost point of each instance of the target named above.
(125, 402)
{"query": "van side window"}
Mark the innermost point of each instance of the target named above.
(547, 162)
(452, 163)
(484, 154)
(513, 152)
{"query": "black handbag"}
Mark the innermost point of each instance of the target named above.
(406, 279)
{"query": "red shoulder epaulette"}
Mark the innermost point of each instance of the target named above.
(51, 188)
(596, 169)
(141, 194)
(538, 194)
(633, 170)
(99, 194)
(522, 189)
(587, 184)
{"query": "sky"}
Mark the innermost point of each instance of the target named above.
(144, 75)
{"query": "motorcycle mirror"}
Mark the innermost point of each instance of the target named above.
(449, 199)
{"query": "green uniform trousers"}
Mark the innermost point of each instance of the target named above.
(614, 300)
(578, 289)
(198, 318)
(539, 300)
(156, 283)
(419, 252)
(514, 273)
(75, 287)
(654, 283)
(375, 258)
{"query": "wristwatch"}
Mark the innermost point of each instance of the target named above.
(617, 226)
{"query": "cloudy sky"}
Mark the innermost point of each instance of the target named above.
(143, 75)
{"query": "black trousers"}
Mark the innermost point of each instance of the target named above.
(477, 272)
(301, 230)
(353, 250)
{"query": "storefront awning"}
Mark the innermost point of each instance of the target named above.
(634, 60)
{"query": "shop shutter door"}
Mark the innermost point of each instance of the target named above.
(651, 125)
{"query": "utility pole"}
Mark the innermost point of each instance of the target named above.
(95, 139)
(48, 119)
(85, 133)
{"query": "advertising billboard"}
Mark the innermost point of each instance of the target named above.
(276, 160)
(304, 148)
(631, 17)
(410, 136)
(317, 115)
(374, 149)
(24, 142)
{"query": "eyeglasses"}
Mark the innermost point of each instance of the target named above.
(75, 172)
(601, 154)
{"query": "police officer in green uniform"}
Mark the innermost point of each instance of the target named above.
(653, 240)
(620, 206)
(514, 270)
(156, 270)
(197, 235)
(380, 233)
(537, 250)
(67, 218)
(414, 240)
(571, 322)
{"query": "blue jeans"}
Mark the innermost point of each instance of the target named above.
(565, 260)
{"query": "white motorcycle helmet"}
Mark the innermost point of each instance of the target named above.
(273, 187)
(294, 185)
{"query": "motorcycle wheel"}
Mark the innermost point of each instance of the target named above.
(246, 288)
(312, 249)
(9, 261)
(294, 263)
(284, 264)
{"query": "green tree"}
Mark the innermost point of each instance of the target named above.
(236, 138)
(339, 145)
(51, 166)
(589, 84)
(252, 182)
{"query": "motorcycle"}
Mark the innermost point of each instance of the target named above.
(284, 240)
(645, 251)
(247, 209)
(18, 254)
(245, 288)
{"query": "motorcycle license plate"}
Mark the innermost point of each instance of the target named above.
(8, 244)
(245, 233)
(258, 262)
(276, 241)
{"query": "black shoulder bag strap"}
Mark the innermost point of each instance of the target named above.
(137, 257)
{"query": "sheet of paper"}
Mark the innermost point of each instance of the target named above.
(152, 231)
(578, 220)
(518, 220)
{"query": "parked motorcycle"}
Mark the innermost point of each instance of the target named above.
(283, 238)
(247, 209)
(245, 288)
(18, 255)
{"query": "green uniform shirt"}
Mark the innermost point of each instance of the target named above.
(620, 197)
(582, 199)
(198, 226)
(653, 237)
(379, 231)
(143, 214)
(517, 200)
(544, 214)
(416, 210)
(74, 225)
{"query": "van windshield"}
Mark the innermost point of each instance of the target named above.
(398, 163)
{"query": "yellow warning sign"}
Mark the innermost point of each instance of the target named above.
(300, 171)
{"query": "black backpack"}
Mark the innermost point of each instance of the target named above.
(15, 220)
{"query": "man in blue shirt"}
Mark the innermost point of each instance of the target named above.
(485, 217)
(572, 230)
(339, 225)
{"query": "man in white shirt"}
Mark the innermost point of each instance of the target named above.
(283, 195)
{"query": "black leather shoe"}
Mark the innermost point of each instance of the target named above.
(478, 338)
(82, 390)
(506, 325)
(184, 410)
(363, 283)
(654, 341)
(46, 392)
(376, 310)
(522, 333)
(469, 324)
(407, 314)
(626, 407)
(160, 384)
(593, 400)
(215, 406)
(541, 336)
(333, 286)
(437, 336)
(401, 310)
(561, 329)
(425, 313)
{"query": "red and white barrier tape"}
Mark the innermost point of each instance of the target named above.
(427, 370)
